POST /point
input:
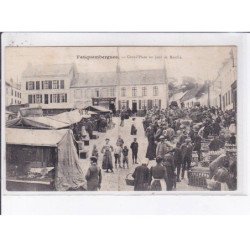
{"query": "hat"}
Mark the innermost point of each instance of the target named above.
(93, 158)
(188, 140)
(107, 139)
(162, 137)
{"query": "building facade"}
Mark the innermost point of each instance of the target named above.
(13, 93)
(223, 90)
(138, 90)
(48, 86)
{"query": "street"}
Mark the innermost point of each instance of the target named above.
(116, 181)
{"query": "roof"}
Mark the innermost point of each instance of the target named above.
(145, 77)
(31, 112)
(177, 96)
(71, 117)
(194, 92)
(48, 70)
(97, 109)
(33, 137)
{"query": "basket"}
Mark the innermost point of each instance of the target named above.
(129, 182)
(198, 179)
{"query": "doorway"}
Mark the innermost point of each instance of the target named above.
(134, 107)
(46, 99)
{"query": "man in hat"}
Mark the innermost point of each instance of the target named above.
(141, 177)
(94, 175)
(187, 150)
(161, 148)
(197, 144)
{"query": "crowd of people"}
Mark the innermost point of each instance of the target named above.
(176, 135)
(175, 138)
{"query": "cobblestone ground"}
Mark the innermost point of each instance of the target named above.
(116, 181)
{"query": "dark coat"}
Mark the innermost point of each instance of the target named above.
(94, 178)
(134, 147)
(142, 179)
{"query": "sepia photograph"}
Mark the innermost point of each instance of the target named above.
(152, 119)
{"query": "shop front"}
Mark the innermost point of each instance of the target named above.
(108, 103)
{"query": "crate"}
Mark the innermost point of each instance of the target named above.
(129, 180)
(83, 154)
(86, 142)
(198, 178)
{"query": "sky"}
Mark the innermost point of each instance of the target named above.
(201, 63)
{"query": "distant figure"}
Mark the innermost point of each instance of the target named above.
(94, 175)
(107, 157)
(133, 130)
(215, 144)
(117, 154)
(134, 147)
(95, 152)
(125, 157)
(141, 177)
(120, 142)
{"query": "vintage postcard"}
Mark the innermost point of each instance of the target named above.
(120, 118)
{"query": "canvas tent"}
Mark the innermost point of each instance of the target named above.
(71, 117)
(37, 122)
(98, 109)
(63, 120)
(68, 173)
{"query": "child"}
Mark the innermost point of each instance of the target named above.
(125, 156)
(117, 154)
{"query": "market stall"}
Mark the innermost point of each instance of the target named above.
(42, 160)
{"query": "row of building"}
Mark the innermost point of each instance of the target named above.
(60, 87)
(221, 92)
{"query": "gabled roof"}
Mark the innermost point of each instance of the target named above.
(177, 96)
(48, 70)
(143, 77)
(190, 94)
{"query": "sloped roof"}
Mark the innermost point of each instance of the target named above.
(71, 117)
(177, 96)
(33, 137)
(48, 70)
(123, 78)
(97, 109)
(194, 92)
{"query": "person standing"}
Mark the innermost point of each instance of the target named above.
(158, 176)
(151, 149)
(120, 141)
(122, 118)
(134, 147)
(125, 156)
(197, 144)
(94, 175)
(107, 156)
(168, 162)
(141, 177)
(118, 154)
(178, 160)
(187, 150)
(161, 148)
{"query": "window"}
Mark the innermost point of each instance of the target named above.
(144, 91)
(155, 90)
(134, 91)
(63, 97)
(58, 98)
(38, 99)
(143, 104)
(229, 97)
(45, 84)
(30, 85)
(30, 98)
(20, 95)
(62, 84)
(111, 92)
(37, 84)
(123, 92)
(11, 91)
(123, 104)
(55, 98)
(55, 84)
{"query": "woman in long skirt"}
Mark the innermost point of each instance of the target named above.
(107, 162)
(151, 150)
